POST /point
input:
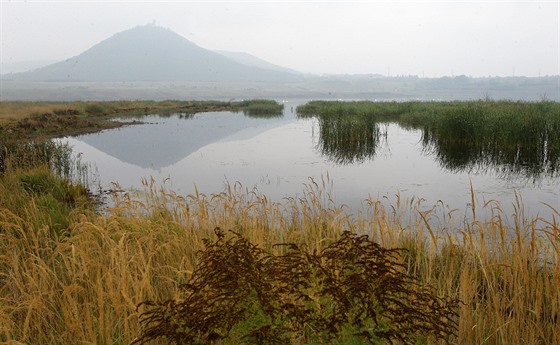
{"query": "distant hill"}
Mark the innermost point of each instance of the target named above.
(22, 66)
(250, 60)
(152, 53)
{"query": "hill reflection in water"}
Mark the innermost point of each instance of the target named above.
(278, 156)
(164, 140)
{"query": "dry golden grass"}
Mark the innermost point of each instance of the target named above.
(19, 110)
(13, 111)
(16, 110)
(10, 111)
(83, 285)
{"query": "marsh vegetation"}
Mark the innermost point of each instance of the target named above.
(520, 138)
(289, 272)
(76, 275)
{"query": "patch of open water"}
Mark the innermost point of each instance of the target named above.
(278, 156)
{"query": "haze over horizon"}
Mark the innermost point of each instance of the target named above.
(421, 38)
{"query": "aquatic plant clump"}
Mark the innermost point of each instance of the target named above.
(353, 289)
(259, 108)
(521, 138)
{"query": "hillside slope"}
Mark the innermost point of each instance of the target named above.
(150, 53)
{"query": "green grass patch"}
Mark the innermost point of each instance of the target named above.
(43, 198)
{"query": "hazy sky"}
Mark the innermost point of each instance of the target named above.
(430, 38)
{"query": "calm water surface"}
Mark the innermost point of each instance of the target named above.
(279, 156)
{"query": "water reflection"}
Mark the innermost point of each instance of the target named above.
(349, 139)
(513, 140)
(529, 152)
(277, 156)
(256, 113)
(533, 160)
(164, 140)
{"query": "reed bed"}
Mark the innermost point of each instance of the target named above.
(511, 138)
(83, 282)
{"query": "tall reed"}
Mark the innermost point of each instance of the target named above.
(82, 284)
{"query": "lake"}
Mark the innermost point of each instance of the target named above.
(280, 156)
